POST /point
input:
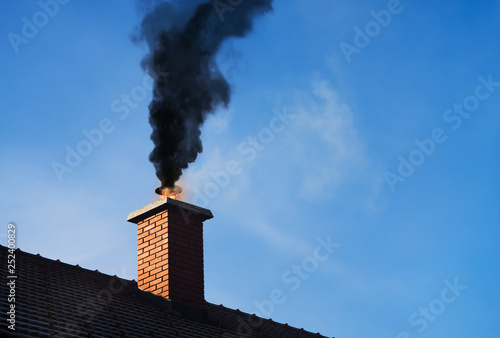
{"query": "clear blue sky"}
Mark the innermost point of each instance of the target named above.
(392, 152)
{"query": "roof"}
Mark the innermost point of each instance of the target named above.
(54, 299)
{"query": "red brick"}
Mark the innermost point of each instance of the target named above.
(149, 268)
(155, 219)
(163, 254)
(155, 240)
(143, 245)
(161, 222)
(142, 224)
(156, 260)
(162, 273)
(154, 282)
(156, 271)
(142, 235)
(155, 250)
(142, 266)
(149, 279)
(162, 284)
(163, 263)
(149, 237)
(149, 227)
(162, 232)
(149, 258)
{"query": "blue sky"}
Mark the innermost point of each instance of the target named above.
(391, 152)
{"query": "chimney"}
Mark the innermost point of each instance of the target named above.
(170, 250)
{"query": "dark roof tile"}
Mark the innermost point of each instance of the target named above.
(56, 299)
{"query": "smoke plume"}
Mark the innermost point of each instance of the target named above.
(183, 41)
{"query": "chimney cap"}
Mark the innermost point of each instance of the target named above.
(164, 204)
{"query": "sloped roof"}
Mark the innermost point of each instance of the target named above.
(55, 299)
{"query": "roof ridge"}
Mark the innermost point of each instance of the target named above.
(87, 270)
(269, 320)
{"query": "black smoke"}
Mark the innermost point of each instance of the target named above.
(184, 38)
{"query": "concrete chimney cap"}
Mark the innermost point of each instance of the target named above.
(167, 203)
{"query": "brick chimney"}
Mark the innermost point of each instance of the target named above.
(170, 250)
